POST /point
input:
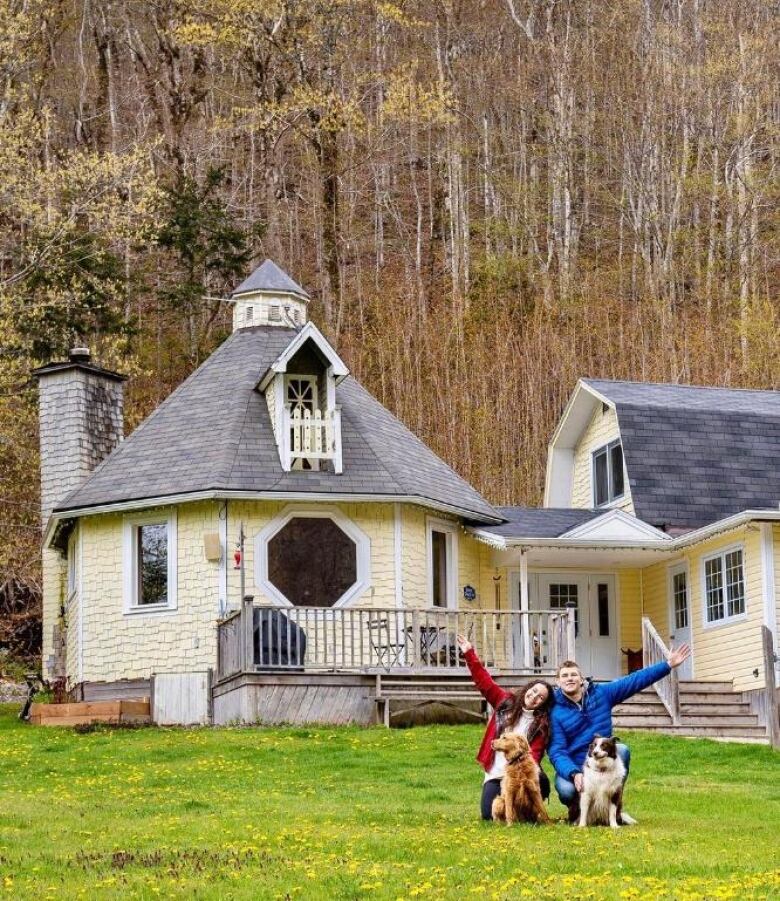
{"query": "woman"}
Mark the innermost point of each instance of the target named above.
(525, 712)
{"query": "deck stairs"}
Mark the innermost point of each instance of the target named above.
(707, 710)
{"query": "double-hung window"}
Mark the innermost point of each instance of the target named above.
(442, 563)
(608, 481)
(150, 562)
(724, 586)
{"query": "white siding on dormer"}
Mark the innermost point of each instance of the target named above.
(602, 429)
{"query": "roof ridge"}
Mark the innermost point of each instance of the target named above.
(588, 379)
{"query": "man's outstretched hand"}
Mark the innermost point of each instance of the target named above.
(678, 655)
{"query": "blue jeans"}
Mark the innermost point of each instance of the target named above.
(566, 790)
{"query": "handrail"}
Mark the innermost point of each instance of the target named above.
(388, 639)
(655, 651)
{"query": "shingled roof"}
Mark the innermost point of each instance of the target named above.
(269, 277)
(540, 522)
(696, 455)
(213, 433)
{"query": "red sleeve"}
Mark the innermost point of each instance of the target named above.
(538, 746)
(490, 690)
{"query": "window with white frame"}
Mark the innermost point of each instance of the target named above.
(312, 557)
(724, 586)
(679, 586)
(442, 563)
(150, 562)
(608, 479)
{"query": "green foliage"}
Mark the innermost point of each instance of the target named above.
(74, 294)
(347, 813)
(207, 251)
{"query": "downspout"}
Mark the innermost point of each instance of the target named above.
(222, 586)
(80, 589)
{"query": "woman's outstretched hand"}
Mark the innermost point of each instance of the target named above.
(463, 643)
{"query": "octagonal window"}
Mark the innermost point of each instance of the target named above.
(312, 561)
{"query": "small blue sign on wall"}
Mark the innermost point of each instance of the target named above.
(469, 593)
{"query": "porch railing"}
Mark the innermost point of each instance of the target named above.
(655, 651)
(387, 639)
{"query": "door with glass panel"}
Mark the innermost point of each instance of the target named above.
(680, 614)
(595, 617)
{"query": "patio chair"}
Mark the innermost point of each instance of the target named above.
(386, 645)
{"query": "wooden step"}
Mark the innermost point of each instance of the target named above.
(697, 685)
(699, 709)
(640, 722)
(710, 697)
(756, 732)
(639, 709)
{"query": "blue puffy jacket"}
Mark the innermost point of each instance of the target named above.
(574, 725)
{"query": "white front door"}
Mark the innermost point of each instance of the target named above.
(595, 611)
(680, 615)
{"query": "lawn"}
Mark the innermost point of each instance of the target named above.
(362, 813)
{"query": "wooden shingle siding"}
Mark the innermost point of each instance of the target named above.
(118, 645)
(729, 651)
(603, 428)
(630, 612)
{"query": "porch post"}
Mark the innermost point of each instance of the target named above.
(525, 616)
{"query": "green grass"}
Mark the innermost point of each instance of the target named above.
(361, 813)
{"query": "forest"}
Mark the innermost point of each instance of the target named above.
(486, 199)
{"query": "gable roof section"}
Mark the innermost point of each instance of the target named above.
(214, 434)
(536, 522)
(696, 455)
(309, 332)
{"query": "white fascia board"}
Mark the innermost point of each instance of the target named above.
(560, 451)
(308, 332)
(671, 545)
(725, 525)
(609, 524)
(217, 495)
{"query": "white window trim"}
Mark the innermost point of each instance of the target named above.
(726, 620)
(362, 547)
(129, 557)
(451, 530)
(672, 570)
(619, 498)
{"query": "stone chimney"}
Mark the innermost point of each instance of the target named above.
(81, 419)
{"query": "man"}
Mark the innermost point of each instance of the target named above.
(582, 710)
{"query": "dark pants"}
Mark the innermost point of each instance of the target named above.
(492, 789)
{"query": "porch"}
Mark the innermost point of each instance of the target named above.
(339, 665)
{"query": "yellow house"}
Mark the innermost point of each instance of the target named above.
(271, 532)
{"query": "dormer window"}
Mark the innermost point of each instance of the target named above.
(302, 392)
(608, 479)
(300, 389)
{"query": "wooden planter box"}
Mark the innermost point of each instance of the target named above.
(84, 712)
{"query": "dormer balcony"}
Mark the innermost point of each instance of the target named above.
(311, 435)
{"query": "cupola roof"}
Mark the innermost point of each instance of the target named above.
(269, 278)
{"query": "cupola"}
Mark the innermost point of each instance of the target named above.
(269, 297)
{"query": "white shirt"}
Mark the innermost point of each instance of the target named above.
(521, 727)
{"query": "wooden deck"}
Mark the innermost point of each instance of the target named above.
(383, 639)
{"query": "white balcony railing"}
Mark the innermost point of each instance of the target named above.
(353, 639)
(311, 435)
